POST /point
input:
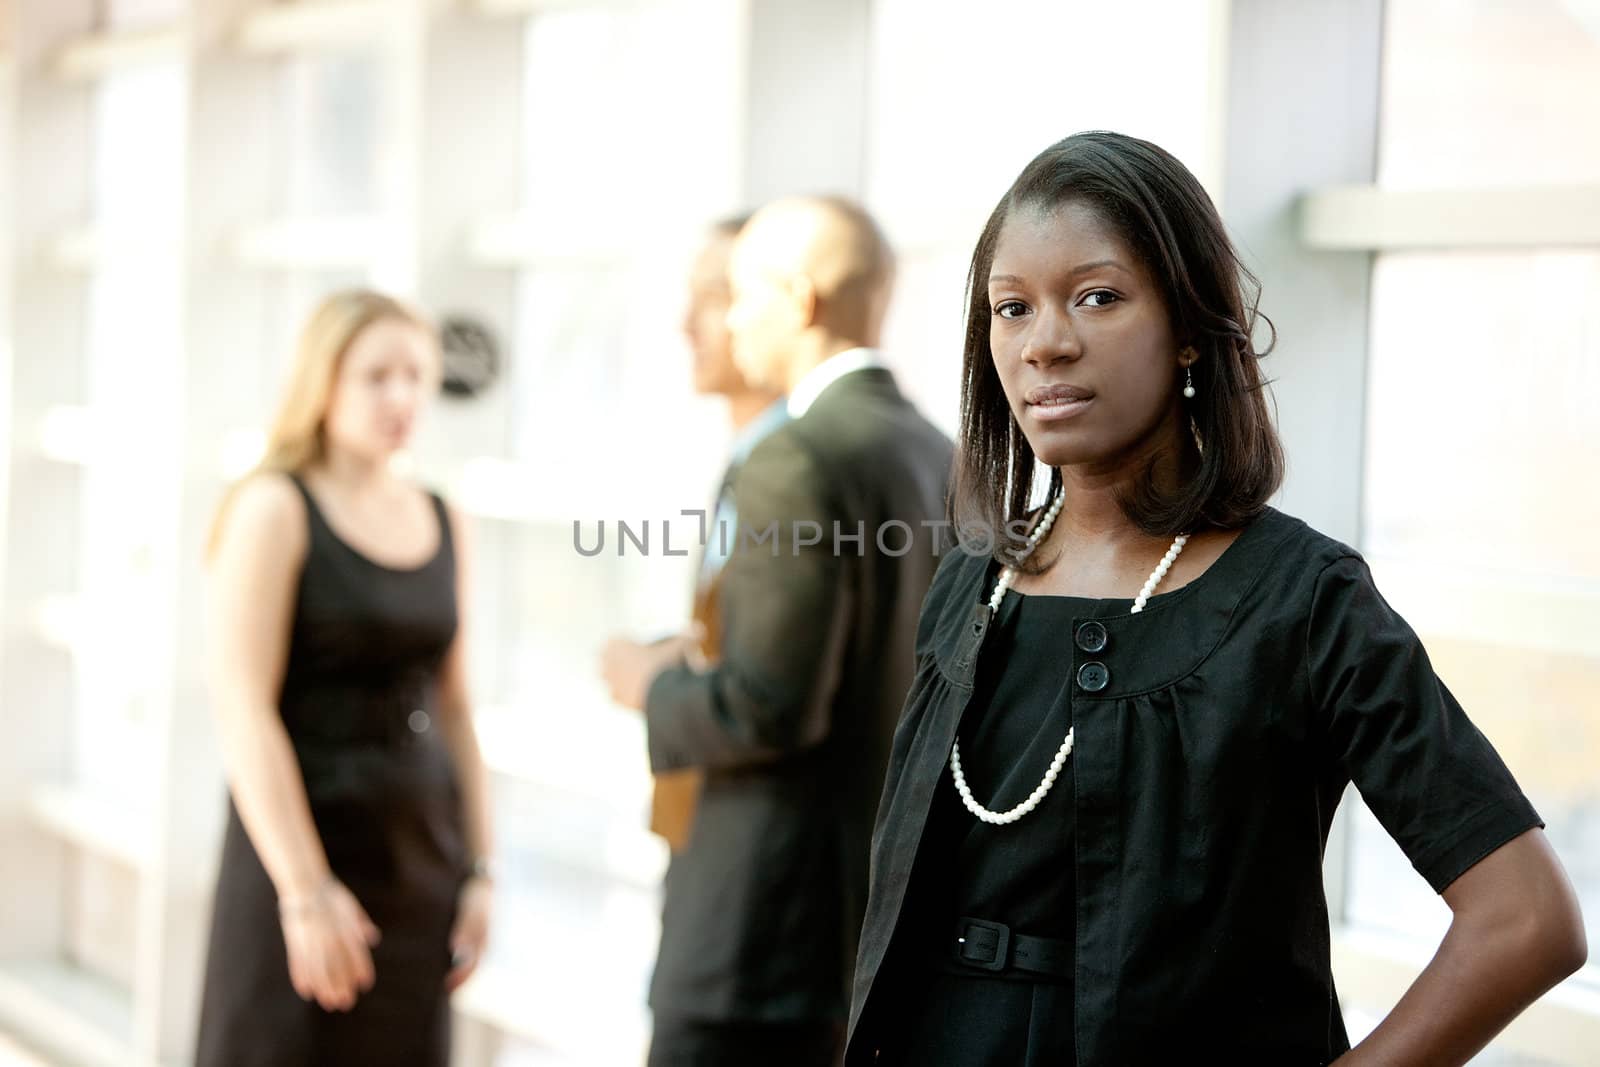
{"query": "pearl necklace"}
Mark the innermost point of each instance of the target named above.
(1007, 575)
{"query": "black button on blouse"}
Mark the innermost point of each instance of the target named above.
(1092, 637)
(1093, 676)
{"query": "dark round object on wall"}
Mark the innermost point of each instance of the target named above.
(471, 355)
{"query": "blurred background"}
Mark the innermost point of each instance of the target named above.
(1417, 183)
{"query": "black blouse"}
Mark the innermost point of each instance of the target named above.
(1019, 874)
(1215, 735)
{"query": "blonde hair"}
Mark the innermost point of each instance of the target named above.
(296, 439)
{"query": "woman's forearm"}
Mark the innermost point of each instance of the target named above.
(461, 737)
(1484, 974)
(270, 794)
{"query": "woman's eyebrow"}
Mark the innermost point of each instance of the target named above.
(1085, 268)
(1082, 268)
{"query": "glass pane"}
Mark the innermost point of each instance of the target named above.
(960, 101)
(630, 149)
(573, 346)
(1496, 406)
(128, 507)
(133, 390)
(1490, 92)
(137, 173)
(1480, 524)
(334, 132)
(626, 135)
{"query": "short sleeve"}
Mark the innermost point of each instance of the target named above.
(1432, 779)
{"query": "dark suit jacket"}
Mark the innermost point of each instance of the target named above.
(792, 727)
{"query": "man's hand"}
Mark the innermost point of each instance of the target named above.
(629, 667)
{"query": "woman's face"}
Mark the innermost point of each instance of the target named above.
(385, 380)
(1081, 339)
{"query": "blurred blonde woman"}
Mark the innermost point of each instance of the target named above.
(353, 895)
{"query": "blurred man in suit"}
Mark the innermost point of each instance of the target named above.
(839, 512)
(754, 413)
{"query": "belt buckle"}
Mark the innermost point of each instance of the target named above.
(971, 951)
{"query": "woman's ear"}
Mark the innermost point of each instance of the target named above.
(1188, 356)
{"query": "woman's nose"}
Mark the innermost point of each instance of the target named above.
(1052, 337)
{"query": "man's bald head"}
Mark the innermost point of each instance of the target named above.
(811, 265)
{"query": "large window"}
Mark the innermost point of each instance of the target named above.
(1481, 446)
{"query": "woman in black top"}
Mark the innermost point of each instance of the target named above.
(1101, 835)
(353, 892)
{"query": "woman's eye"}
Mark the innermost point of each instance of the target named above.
(1099, 298)
(1009, 309)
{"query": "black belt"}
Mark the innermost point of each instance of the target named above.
(989, 946)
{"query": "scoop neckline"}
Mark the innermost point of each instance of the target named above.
(1247, 533)
(343, 542)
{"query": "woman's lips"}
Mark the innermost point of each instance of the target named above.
(1049, 403)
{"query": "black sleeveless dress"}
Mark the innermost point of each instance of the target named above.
(358, 700)
(1020, 875)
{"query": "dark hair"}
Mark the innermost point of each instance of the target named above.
(1233, 461)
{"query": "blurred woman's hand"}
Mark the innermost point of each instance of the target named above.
(329, 939)
(471, 932)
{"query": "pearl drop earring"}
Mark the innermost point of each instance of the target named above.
(1188, 382)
